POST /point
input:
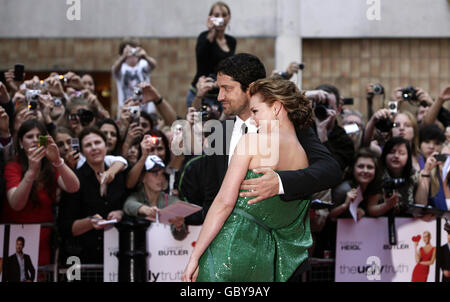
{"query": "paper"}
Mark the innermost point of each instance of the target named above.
(179, 208)
(112, 221)
(446, 168)
(354, 205)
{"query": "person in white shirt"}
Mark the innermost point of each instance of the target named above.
(133, 66)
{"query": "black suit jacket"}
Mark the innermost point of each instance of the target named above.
(12, 269)
(323, 172)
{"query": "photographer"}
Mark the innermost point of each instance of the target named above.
(100, 197)
(400, 179)
(326, 107)
(292, 69)
(354, 117)
(374, 92)
(150, 198)
(207, 85)
(32, 179)
(212, 46)
(433, 189)
(133, 66)
(79, 114)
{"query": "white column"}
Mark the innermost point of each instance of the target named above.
(288, 43)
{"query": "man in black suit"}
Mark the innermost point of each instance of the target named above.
(444, 256)
(18, 267)
(234, 76)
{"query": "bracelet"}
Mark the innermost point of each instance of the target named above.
(60, 164)
(158, 101)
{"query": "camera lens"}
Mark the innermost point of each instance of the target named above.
(378, 89)
(321, 112)
(384, 125)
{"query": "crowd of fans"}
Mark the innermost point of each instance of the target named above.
(66, 160)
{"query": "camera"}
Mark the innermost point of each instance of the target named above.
(441, 157)
(206, 113)
(32, 97)
(218, 21)
(384, 125)
(409, 93)
(135, 114)
(86, 116)
(301, 66)
(137, 94)
(393, 107)
(348, 101)
(378, 89)
(62, 79)
(320, 111)
(58, 102)
(134, 52)
(391, 184)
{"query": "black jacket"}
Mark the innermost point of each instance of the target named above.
(12, 269)
(88, 202)
(208, 172)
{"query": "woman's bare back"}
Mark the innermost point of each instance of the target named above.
(288, 155)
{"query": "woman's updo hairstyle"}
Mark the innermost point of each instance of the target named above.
(273, 89)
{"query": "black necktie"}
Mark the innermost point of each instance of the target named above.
(244, 129)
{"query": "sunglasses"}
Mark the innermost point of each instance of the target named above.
(85, 116)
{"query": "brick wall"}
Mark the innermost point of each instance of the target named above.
(176, 59)
(350, 64)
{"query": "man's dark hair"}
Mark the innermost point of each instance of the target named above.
(20, 238)
(243, 68)
(123, 44)
(331, 89)
(390, 144)
(431, 132)
(88, 130)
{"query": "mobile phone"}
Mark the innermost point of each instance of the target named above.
(42, 141)
(155, 140)
(75, 144)
(441, 157)
(18, 72)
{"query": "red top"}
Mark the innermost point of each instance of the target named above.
(42, 212)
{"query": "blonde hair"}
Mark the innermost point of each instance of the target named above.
(415, 141)
(221, 5)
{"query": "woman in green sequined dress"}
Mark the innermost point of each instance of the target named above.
(268, 240)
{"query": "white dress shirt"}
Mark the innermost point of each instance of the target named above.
(236, 136)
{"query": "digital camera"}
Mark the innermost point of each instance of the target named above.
(409, 93)
(32, 97)
(218, 21)
(391, 184)
(378, 89)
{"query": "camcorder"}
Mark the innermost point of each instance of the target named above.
(391, 184)
(32, 97)
(409, 93)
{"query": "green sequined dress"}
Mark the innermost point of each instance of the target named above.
(262, 242)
